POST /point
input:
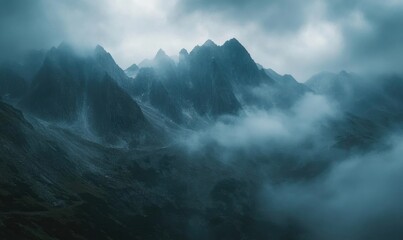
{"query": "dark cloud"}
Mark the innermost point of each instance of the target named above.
(274, 15)
(290, 36)
(369, 31)
(131, 30)
(27, 25)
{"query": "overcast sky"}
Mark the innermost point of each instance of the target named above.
(290, 36)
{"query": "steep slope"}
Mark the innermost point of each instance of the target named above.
(211, 89)
(56, 92)
(164, 65)
(111, 112)
(149, 88)
(212, 92)
(132, 71)
(240, 65)
(70, 87)
(52, 184)
(105, 61)
(12, 125)
(167, 72)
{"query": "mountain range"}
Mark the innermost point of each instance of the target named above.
(91, 151)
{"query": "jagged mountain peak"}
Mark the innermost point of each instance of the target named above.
(183, 55)
(99, 51)
(164, 65)
(209, 43)
(233, 42)
(289, 77)
(278, 77)
(104, 61)
(161, 54)
(234, 46)
(99, 48)
(184, 52)
(162, 60)
(133, 67)
(207, 50)
(132, 70)
(273, 74)
(146, 63)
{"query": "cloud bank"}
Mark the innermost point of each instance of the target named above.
(304, 180)
(357, 198)
(257, 131)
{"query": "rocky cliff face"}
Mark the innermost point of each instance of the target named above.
(112, 113)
